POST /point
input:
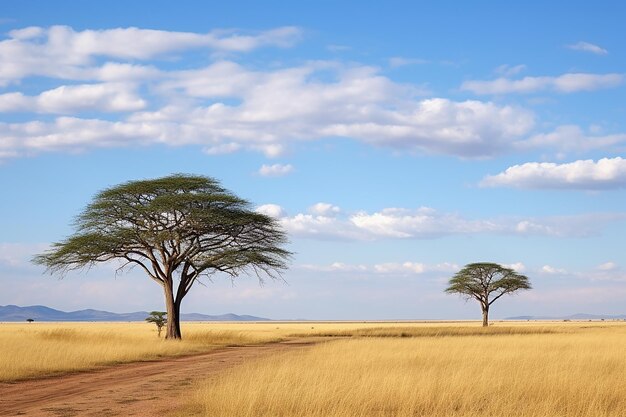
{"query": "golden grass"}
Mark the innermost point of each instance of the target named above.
(577, 370)
(40, 349)
(413, 331)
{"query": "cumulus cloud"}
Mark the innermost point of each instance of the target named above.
(566, 83)
(517, 266)
(405, 267)
(62, 52)
(75, 98)
(428, 223)
(324, 209)
(273, 109)
(272, 210)
(424, 222)
(225, 107)
(550, 270)
(606, 173)
(467, 129)
(275, 170)
(320, 227)
(571, 138)
(588, 47)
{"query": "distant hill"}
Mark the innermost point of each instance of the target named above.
(43, 313)
(578, 316)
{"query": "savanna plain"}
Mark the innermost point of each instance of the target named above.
(358, 369)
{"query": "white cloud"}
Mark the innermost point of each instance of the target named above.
(267, 111)
(220, 79)
(400, 268)
(607, 266)
(588, 47)
(276, 170)
(583, 174)
(320, 227)
(608, 271)
(75, 98)
(272, 210)
(421, 223)
(517, 266)
(427, 223)
(61, 52)
(578, 299)
(570, 138)
(226, 107)
(324, 209)
(509, 70)
(336, 267)
(467, 129)
(550, 270)
(566, 83)
(221, 149)
(119, 72)
(387, 268)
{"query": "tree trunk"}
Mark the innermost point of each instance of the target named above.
(485, 316)
(172, 330)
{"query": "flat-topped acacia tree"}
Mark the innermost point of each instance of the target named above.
(177, 229)
(486, 282)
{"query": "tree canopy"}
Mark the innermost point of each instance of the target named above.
(177, 228)
(159, 318)
(486, 282)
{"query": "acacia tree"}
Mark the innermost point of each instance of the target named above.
(486, 282)
(177, 229)
(159, 318)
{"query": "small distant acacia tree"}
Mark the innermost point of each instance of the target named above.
(30, 320)
(486, 282)
(177, 229)
(159, 319)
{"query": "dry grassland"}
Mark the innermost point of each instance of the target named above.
(40, 349)
(551, 370)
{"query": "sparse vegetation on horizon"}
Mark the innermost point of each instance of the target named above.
(432, 331)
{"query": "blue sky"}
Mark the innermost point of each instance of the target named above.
(395, 142)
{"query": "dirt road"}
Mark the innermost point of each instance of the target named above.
(145, 389)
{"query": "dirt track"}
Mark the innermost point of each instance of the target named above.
(145, 389)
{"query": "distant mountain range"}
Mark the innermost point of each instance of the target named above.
(578, 316)
(43, 313)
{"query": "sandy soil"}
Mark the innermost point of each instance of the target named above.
(145, 389)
